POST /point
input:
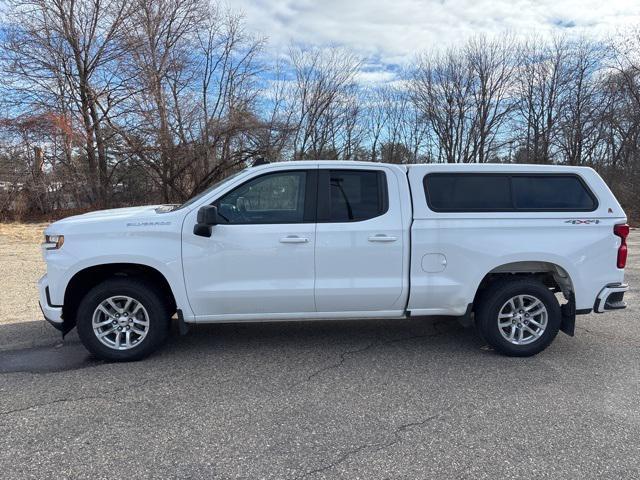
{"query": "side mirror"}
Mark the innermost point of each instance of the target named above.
(207, 217)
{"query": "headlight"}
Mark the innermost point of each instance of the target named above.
(53, 242)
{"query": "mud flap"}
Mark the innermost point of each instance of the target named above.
(466, 320)
(568, 323)
(183, 328)
(67, 327)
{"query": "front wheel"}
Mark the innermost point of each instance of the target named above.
(518, 318)
(123, 319)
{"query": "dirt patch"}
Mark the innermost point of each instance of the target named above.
(21, 265)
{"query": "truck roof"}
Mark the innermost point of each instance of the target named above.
(451, 167)
(495, 167)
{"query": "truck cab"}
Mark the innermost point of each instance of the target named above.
(518, 249)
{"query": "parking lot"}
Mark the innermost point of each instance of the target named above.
(409, 399)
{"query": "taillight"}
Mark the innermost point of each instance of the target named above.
(622, 231)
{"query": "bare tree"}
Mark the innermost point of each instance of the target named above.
(323, 86)
(442, 89)
(492, 65)
(583, 103)
(465, 96)
(406, 130)
(542, 82)
(228, 71)
(157, 43)
(58, 53)
(375, 113)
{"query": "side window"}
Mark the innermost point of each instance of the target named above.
(486, 192)
(551, 193)
(352, 195)
(467, 193)
(272, 198)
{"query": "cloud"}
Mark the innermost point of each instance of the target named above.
(370, 77)
(392, 32)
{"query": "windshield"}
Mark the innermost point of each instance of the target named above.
(206, 192)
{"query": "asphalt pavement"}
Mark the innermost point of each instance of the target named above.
(410, 399)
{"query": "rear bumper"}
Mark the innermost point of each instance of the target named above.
(52, 313)
(611, 297)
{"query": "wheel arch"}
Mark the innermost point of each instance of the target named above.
(549, 273)
(87, 278)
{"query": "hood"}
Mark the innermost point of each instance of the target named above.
(144, 213)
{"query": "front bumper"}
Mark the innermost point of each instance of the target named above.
(611, 297)
(52, 313)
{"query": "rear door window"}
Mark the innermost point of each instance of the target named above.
(351, 195)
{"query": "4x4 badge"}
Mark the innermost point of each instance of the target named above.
(582, 222)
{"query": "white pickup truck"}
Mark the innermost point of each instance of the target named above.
(518, 249)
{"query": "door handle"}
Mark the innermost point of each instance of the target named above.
(293, 239)
(380, 237)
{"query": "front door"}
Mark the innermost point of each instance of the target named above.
(359, 242)
(260, 260)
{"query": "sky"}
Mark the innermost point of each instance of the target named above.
(388, 34)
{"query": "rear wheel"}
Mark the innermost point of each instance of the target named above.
(123, 319)
(518, 317)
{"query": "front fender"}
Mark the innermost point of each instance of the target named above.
(171, 271)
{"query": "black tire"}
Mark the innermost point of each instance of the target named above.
(497, 295)
(145, 294)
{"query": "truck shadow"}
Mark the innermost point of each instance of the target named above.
(49, 353)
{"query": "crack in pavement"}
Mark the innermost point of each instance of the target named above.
(345, 456)
(74, 399)
(52, 402)
(343, 355)
(403, 428)
(343, 358)
(397, 431)
(58, 400)
(377, 447)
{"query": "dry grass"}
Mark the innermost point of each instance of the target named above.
(23, 232)
(21, 265)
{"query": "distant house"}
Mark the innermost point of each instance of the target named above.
(8, 184)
